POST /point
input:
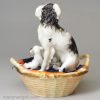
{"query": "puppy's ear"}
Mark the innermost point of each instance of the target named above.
(38, 11)
(57, 10)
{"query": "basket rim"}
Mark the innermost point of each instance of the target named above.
(39, 74)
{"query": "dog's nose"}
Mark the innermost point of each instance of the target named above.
(30, 48)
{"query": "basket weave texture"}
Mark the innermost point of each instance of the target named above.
(52, 84)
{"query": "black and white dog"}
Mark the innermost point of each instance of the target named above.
(54, 40)
(50, 33)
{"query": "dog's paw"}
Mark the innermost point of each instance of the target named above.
(41, 70)
(60, 70)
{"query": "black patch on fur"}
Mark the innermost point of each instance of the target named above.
(27, 60)
(73, 46)
(50, 39)
(49, 17)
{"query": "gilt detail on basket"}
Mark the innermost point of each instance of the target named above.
(56, 64)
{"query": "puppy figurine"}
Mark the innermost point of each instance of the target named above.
(37, 61)
(50, 30)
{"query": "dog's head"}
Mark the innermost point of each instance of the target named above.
(48, 13)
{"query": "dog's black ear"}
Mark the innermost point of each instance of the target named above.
(38, 11)
(57, 10)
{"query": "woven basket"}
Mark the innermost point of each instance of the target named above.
(52, 84)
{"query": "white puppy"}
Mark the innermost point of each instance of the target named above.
(37, 61)
(49, 31)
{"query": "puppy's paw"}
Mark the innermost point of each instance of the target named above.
(26, 65)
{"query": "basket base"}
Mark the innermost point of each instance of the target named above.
(52, 96)
(58, 87)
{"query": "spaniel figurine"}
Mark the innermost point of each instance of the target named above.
(51, 34)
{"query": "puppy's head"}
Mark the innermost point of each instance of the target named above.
(48, 13)
(36, 50)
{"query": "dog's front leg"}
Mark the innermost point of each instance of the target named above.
(46, 59)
